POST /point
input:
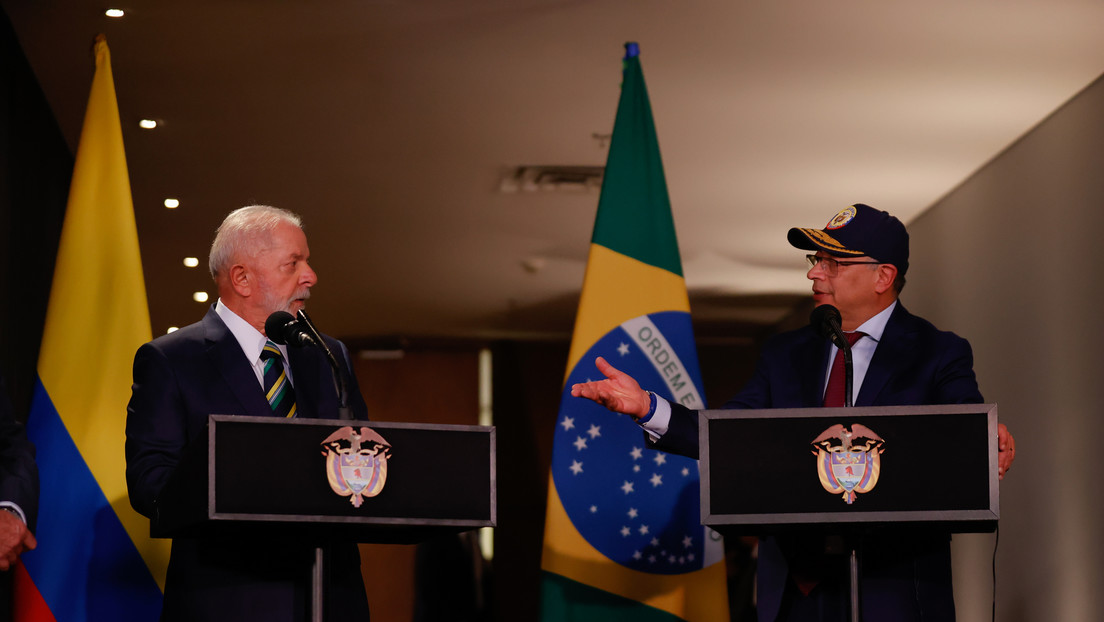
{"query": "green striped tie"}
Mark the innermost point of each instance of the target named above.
(280, 393)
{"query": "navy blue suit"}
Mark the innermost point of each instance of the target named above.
(179, 379)
(18, 471)
(906, 576)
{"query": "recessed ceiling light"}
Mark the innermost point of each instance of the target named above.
(172, 203)
(172, 329)
(200, 296)
(114, 13)
(191, 262)
(147, 124)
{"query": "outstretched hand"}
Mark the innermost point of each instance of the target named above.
(619, 392)
(1006, 450)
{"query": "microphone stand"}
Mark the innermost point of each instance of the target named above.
(340, 385)
(343, 413)
(826, 321)
(853, 561)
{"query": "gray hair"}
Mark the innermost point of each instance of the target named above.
(243, 232)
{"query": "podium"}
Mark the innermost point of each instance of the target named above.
(849, 472)
(256, 475)
(766, 472)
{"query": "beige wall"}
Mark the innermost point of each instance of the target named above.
(1012, 260)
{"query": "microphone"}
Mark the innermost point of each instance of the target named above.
(284, 329)
(826, 321)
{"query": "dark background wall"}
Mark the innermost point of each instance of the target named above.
(35, 169)
(1011, 260)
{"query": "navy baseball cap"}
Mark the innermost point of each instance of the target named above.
(858, 230)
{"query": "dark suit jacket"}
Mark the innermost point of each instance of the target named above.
(18, 481)
(18, 471)
(905, 576)
(179, 379)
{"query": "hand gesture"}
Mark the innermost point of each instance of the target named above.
(619, 392)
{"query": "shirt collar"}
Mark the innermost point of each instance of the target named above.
(251, 340)
(875, 326)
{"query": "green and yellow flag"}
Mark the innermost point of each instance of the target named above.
(95, 559)
(623, 536)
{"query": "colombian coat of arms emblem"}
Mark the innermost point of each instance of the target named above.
(356, 463)
(849, 461)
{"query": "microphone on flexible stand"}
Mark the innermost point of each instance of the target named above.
(826, 321)
(283, 328)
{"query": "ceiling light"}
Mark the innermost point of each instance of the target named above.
(147, 124)
(172, 203)
(200, 296)
(172, 329)
(114, 13)
(191, 262)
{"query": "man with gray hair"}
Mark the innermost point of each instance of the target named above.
(225, 364)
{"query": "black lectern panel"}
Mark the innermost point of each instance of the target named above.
(932, 465)
(274, 473)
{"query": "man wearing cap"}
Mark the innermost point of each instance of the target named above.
(858, 266)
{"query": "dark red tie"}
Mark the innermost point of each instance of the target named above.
(834, 394)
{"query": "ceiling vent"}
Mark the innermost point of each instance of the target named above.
(564, 179)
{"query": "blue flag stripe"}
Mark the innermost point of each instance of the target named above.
(86, 567)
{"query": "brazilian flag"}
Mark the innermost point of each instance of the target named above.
(623, 536)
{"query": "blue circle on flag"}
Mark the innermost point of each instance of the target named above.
(637, 506)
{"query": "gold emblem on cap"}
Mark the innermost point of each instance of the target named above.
(842, 218)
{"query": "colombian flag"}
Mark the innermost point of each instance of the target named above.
(94, 559)
(623, 536)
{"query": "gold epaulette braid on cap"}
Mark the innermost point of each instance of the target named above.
(828, 242)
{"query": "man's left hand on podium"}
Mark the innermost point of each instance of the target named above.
(1006, 446)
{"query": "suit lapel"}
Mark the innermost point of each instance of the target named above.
(894, 352)
(811, 362)
(305, 369)
(227, 357)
